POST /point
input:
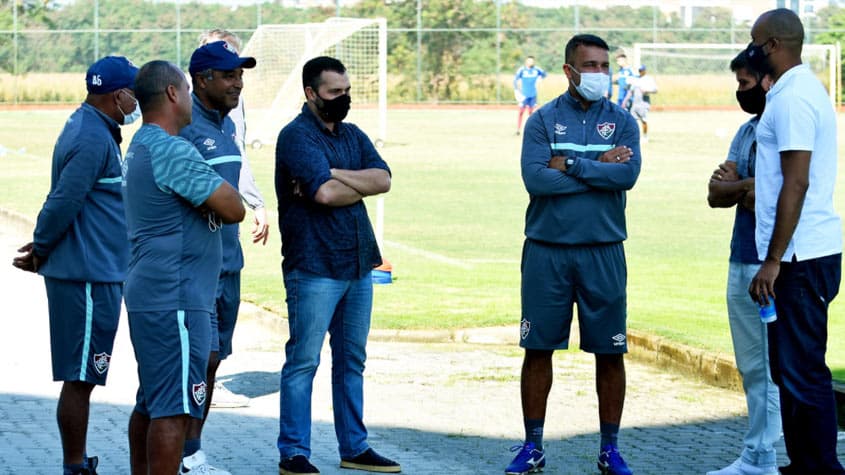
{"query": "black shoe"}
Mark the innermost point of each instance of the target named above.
(370, 461)
(297, 465)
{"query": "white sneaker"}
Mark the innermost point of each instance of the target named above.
(741, 468)
(222, 397)
(198, 464)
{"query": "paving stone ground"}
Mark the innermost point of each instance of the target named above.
(438, 408)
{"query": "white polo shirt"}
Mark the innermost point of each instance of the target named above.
(798, 116)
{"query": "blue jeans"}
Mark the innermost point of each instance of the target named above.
(797, 346)
(752, 361)
(317, 305)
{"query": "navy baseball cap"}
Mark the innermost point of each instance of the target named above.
(110, 74)
(218, 55)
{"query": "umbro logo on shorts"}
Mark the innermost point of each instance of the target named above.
(618, 339)
(524, 328)
(101, 362)
(199, 392)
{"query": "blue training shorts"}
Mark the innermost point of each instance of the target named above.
(83, 323)
(555, 277)
(528, 102)
(228, 302)
(171, 348)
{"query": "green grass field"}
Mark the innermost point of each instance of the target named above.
(454, 221)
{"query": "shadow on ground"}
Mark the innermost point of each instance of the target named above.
(245, 444)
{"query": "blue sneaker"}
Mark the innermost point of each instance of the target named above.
(528, 460)
(611, 462)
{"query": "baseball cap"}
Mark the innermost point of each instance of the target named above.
(110, 74)
(218, 55)
(642, 67)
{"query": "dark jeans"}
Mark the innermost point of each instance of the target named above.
(797, 345)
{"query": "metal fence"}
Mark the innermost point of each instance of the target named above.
(429, 60)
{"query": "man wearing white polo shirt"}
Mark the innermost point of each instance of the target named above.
(799, 238)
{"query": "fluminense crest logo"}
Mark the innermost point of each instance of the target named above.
(199, 392)
(618, 339)
(524, 328)
(606, 129)
(101, 362)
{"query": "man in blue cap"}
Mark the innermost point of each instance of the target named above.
(79, 245)
(216, 72)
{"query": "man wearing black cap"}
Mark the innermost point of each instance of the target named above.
(216, 72)
(79, 246)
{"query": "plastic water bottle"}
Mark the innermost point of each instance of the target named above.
(767, 312)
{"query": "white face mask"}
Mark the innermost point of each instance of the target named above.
(132, 116)
(593, 85)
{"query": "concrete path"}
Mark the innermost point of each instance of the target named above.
(438, 408)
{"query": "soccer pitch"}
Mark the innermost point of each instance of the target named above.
(454, 221)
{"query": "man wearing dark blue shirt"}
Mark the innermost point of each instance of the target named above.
(79, 246)
(324, 168)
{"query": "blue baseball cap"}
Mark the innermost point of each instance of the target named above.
(642, 67)
(110, 74)
(218, 55)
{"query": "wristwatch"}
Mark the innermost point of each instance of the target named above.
(569, 162)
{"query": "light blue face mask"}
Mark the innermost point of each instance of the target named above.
(135, 114)
(593, 85)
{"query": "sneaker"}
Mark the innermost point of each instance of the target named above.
(528, 460)
(739, 467)
(90, 466)
(370, 461)
(611, 462)
(222, 397)
(297, 465)
(198, 464)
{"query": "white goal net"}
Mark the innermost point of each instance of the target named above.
(699, 59)
(273, 89)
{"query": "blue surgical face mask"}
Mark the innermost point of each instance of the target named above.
(593, 86)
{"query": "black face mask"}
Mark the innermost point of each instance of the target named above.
(752, 100)
(334, 110)
(757, 59)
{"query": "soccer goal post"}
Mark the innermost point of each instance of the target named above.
(700, 59)
(273, 89)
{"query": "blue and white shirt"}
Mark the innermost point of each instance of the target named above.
(743, 152)
(586, 204)
(215, 138)
(526, 79)
(81, 228)
(798, 116)
(176, 257)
